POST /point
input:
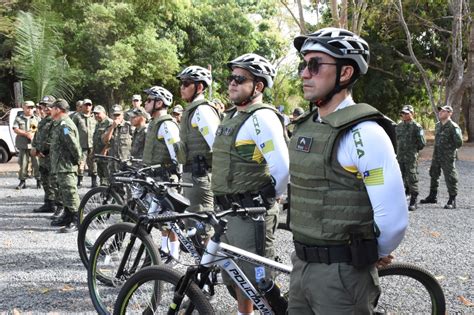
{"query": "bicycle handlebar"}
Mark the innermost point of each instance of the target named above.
(151, 182)
(203, 216)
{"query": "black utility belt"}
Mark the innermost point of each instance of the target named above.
(360, 255)
(189, 169)
(246, 199)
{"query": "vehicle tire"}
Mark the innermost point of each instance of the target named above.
(4, 155)
(151, 290)
(97, 197)
(409, 289)
(117, 246)
(94, 224)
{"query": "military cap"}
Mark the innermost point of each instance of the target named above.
(407, 109)
(29, 104)
(116, 110)
(446, 108)
(298, 111)
(178, 109)
(60, 103)
(136, 97)
(99, 109)
(87, 101)
(139, 112)
(48, 99)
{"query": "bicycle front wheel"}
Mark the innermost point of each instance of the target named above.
(410, 289)
(97, 197)
(117, 254)
(151, 291)
(94, 224)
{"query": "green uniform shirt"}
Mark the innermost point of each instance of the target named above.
(138, 142)
(29, 124)
(99, 131)
(410, 140)
(448, 138)
(65, 149)
(121, 141)
(86, 126)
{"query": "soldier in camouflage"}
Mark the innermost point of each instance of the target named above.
(448, 138)
(103, 122)
(41, 147)
(118, 137)
(410, 140)
(25, 126)
(65, 156)
(138, 119)
(85, 123)
(136, 103)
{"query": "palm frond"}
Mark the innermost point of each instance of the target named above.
(37, 58)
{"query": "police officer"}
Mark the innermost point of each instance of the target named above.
(345, 183)
(25, 127)
(410, 140)
(448, 138)
(65, 155)
(138, 118)
(136, 103)
(162, 134)
(118, 137)
(41, 148)
(103, 122)
(85, 123)
(251, 156)
(197, 132)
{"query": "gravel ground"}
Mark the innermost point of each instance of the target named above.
(40, 270)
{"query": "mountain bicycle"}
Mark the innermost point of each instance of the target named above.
(126, 247)
(160, 289)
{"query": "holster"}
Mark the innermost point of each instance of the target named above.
(364, 252)
(199, 167)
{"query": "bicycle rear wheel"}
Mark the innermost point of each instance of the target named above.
(94, 224)
(97, 197)
(409, 289)
(151, 291)
(117, 254)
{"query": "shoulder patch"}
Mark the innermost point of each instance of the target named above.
(66, 131)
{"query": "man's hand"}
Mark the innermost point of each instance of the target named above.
(29, 135)
(384, 261)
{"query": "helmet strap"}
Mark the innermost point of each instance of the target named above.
(337, 87)
(251, 97)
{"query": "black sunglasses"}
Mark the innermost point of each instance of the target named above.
(186, 83)
(239, 79)
(313, 65)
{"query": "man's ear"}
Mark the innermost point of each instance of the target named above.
(260, 86)
(199, 88)
(347, 71)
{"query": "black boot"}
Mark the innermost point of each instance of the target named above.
(451, 202)
(79, 181)
(65, 219)
(21, 185)
(71, 226)
(412, 205)
(431, 197)
(48, 206)
(94, 181)
(59, 212)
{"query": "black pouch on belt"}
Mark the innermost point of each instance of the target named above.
(199, 166)
(260, 235)
(364, 252)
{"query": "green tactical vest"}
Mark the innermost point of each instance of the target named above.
(24, 123)
(236, 174)
(156, 151)
(327, 202)
(195, 142)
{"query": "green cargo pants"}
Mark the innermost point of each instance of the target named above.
(67, 183)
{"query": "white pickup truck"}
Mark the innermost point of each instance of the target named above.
(7, 136)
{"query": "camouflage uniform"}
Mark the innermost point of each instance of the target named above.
(24, 146)
(100, 148)
(120, 144)
(410, 140)
(138, 142)
(65, 157)
(41, 142)
(448, 138)
(86, 127)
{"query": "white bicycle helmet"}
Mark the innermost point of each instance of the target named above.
(338, 43)
(161, 93)
(197, 74)
(257, 65)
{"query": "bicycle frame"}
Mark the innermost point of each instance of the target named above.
(213, 256)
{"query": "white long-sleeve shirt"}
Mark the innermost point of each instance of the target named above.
(367, 149)
(169, 132)
(263, 135)
(206, 120)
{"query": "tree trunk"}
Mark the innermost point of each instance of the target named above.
(468, 104)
